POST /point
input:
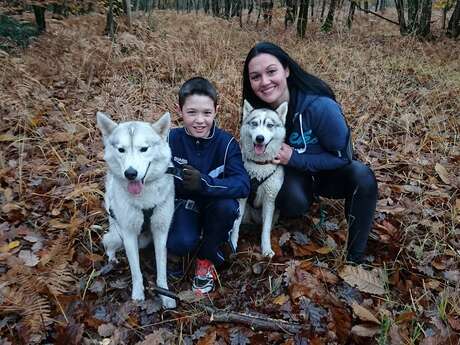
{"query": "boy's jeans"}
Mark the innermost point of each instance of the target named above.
(204, 223)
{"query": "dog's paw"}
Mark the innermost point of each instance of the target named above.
(168, 303)
(138, 294)
(113, 260)
(268, 252)
(112, 257)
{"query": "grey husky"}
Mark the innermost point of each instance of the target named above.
(261, 136)
(139, 194)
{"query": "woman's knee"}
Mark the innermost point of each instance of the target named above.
(294, 203)
(363, 178)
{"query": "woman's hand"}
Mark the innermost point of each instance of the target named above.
(284, 155)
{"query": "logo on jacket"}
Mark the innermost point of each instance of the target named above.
(180, 160)
(295, 139)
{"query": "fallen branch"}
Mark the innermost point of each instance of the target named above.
(372, 12)
(255, 322)
(218, 315)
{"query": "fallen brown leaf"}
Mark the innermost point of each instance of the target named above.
(365, 281)
(363, 314)
(365, 331)
(442, 172)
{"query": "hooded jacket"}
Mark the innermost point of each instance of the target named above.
(318, 133)
(217, 157)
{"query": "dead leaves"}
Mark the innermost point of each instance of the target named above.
(363, 314)
(366, 281)
(442, 173)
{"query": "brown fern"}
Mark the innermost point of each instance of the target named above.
(34, 308)
(27, 290)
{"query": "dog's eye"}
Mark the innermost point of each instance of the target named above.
(144, 149)
(121, 150)
(253, 123)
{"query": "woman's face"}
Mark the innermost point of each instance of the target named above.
(268, 79)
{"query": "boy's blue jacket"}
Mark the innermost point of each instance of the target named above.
(318, 132)
(218, 158)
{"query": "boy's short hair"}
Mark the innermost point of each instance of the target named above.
(197, 86)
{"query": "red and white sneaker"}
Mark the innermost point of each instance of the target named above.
(205, 274)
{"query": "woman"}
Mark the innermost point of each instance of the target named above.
(317, 155)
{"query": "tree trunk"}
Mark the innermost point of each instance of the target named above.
(303, 18)
(127, 8)
(376, 5)
(351, 13)
(412, 15)
(250, 9)
(215, 7)
(39, 12)
(402, 21)
(329, 22)
(227, 8)
(312, 9)
(258, 13)
(453, 28)
(111, 24)
(290, 13)
(323, 8)
(425, 18)
(267, 11)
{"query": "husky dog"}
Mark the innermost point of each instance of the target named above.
(139, 194)
(261, 136)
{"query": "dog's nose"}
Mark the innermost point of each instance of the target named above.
(260, 139)
(130, 173)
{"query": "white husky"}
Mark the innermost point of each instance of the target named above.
(261, 136)
(139, 194)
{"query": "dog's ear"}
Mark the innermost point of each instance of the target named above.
(105, 124)
(162, 125)
(282, 111)
(247, 108)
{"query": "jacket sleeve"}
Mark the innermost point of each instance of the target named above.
(233, 182)
(333, 134)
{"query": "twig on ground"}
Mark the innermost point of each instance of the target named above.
(257, 322)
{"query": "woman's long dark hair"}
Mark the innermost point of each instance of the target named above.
(298, 78)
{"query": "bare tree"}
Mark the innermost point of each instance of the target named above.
(418, 17)
(303, 18)
(351, 13)
(453, 28)
(289, 17)
(39, 12)
(328, 23)
(127, 9)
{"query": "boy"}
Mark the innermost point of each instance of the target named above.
(213, 177)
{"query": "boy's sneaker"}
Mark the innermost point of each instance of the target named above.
(205, 274)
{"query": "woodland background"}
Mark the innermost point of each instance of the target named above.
(400, 91)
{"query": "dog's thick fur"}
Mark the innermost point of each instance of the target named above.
(137, 157)
(261, 136)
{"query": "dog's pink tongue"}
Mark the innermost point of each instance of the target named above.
(135, 187)
(259, 149)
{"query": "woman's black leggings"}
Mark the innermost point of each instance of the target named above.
(354, 182)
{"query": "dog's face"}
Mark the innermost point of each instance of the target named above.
(136, 152)
(262, 130)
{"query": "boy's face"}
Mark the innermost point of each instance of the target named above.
(198, 113)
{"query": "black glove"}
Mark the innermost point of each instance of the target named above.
(191, 178)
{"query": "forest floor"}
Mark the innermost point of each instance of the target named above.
(401, 97)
